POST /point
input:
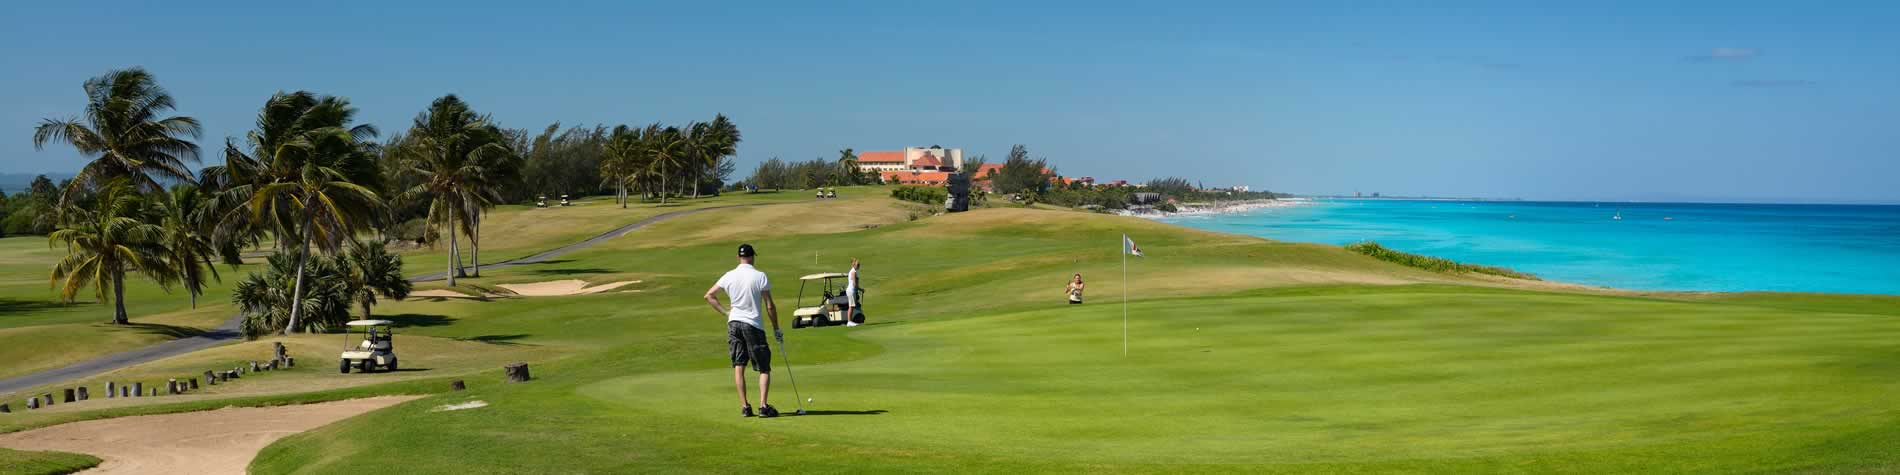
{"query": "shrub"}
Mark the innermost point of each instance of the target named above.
(1434, 264)
(920, 194)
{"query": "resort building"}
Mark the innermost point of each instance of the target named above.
(932, 158)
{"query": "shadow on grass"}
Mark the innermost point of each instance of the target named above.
(506, 340)
(872, 412)
(586, 270)
(22, 307)
(420, 320)
(172, 331)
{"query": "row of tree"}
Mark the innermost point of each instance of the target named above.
(311, 183)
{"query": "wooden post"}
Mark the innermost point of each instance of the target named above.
(125, 390)
(290, 362)
(32, 403)
(171, 386)
(48, 399)
(194, 384)
(138, 388)
(517, 372)
(71, 395)
(457, 385)
(112, 389)
(154, 391)
(82, 394)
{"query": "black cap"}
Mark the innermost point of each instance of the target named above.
(745, 250)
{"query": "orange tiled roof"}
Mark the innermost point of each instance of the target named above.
(927, 161)
(913, 177)
(880, 157)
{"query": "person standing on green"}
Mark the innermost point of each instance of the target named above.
(747, 288)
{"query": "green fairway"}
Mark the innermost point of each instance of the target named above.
(1247, 355)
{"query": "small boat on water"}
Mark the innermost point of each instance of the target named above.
(1669, 218)
(1619, 216)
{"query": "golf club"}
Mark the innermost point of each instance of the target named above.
(787, 354)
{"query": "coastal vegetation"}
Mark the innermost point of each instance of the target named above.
(1430, 263)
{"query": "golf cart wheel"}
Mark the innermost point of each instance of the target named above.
(343, 366)
(798, 323)
(364, 366)
(391, 367)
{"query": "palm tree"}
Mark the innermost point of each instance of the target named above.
(666, 148)
(622, 162)
(848, 163)
(321, 197)
(123, 132)
(186, 239)
(284, 121)
(709, 143)
(372, 270)
(105, 242)
(451, 147)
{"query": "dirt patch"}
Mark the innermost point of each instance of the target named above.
(563, 287)
(219, 441)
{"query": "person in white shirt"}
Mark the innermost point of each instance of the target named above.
(852, 313)
(747, 288)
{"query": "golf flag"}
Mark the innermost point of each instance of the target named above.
(1128, 246)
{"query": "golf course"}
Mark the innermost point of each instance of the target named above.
(1243, 355)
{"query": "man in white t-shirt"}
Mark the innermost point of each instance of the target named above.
(747, 288)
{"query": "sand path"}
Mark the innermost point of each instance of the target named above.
(204, 442)
(563, 287)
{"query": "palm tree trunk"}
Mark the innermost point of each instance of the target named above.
(475, 247)
(697, 175)
(623, 194)
(296, 293)
(663, 184)
(453, 259)
(118, 299)
(366, 308)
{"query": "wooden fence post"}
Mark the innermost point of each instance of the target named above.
(71, 395)
(138, 388)
(112, 390)
(82, 394)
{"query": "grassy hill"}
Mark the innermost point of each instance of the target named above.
(1245, 355)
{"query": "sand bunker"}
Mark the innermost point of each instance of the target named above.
(563, 287)
(220, 441)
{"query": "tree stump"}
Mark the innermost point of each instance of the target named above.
(138, 388)
(71, 395)
(517, 372)
(82, 394)
(211, 378)
(194, 384)
(111, 390)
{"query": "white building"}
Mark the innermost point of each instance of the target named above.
(932, 158)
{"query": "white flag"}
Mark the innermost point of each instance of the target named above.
(1128, 246)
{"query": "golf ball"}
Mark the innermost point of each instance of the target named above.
(807, 400)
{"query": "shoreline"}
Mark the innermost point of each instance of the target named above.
(1213, 208)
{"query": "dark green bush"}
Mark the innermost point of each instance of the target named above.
(1434, 264)
(920, 194)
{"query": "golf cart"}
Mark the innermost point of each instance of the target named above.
(565, 202)
(541, 201)
(831, 305)
(376, 346)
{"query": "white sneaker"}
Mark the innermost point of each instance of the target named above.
(850, 324)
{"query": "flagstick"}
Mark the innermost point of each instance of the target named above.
(1124, 295)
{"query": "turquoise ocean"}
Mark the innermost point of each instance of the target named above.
(1654, 246)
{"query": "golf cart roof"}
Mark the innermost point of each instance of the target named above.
(370, 323)
(827, 275)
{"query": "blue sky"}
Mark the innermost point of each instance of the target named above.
(1732, 101)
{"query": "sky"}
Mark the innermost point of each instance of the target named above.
(1603, 100)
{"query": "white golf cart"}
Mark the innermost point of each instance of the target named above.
(832, 303)
(375, 347)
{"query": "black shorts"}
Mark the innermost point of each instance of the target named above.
(747, 343)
